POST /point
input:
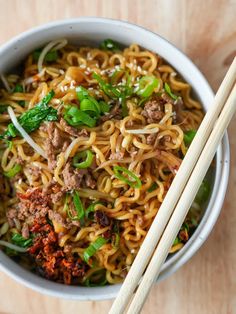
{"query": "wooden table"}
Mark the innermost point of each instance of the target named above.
(206, 31)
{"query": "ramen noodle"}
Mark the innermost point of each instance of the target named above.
(91, 139)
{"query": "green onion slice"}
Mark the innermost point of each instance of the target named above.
(21, 241)
(108, 89)
(13, 171)
(93, 248)
(189, 136)
(104, 107)
(116, 241)
(147, 84)
(90, 106)
(87, 155)
(76, 117)
(78, 207)
(135, 183)
(169, 92)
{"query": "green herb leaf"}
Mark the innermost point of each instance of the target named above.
(169, 92)
(93, 248)
(21, 241)
(13, 171)
(51, 56)
(32, 119)
(135, 183)
(87, 155)
(109, 44)
(189, 136)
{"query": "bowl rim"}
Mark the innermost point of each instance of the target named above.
(209, 219)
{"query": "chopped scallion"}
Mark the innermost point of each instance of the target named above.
(147, 85)
(135, 183)
(169, 92)
(13, 171)
(93, 248)
(86, 156)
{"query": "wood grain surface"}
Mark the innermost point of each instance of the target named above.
(206, 31)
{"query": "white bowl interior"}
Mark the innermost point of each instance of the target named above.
(93, 31)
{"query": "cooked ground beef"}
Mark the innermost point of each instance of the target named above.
(154, 110)
(72, 130)
(117, 155)
(33, 204)
(73, 177)
(55, 143)
(25, 231)
(90, 182)
(77, 178)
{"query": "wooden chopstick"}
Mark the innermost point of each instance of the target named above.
(182, 207)
(172, 196)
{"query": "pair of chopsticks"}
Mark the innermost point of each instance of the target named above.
(178, 199)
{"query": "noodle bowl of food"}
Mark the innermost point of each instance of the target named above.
(96, 118)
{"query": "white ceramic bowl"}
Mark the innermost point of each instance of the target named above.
(92, 31)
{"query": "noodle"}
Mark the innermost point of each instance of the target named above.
(91, 141)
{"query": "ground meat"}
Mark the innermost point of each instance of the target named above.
(25, 231)
(72, 130)
(90, 181)
(33, 204)
(77, 178)
(117, 155)
(35, 171)
(52, 215)
(55, 191)
(115, 113)
(20, 161)
(11, 216)
(56, 142)
(101, 218)
(52, 262)
(154, 110)
(72, 177)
